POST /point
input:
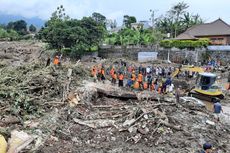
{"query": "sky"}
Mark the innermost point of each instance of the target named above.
(209, 10)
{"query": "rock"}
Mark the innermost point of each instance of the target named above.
(210, 122)
(128, 123)
(137, 138)
(144, 130)
(132, 129)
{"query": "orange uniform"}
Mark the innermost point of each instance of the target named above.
(94, 72)
(140, 78)
(56, 60)
(145, 86)
(102, 71)
(133, 77)
(136, 85)
(121, 77)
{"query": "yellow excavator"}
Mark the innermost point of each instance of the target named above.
(187, 68)
(206, 88)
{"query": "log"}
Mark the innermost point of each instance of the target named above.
(116, 93)
(100, 123)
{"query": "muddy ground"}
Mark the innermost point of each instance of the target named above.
(43, 102)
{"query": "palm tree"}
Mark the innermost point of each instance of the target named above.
(176, 11)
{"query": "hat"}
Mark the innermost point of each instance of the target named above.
(207, 146)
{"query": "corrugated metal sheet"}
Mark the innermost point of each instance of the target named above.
(219, 48)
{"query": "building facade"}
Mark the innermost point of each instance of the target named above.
(217, 31)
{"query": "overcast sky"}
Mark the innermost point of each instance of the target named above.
(114, 9)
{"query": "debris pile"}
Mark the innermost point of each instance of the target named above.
(61, 109)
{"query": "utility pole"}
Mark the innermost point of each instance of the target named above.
(152, 17)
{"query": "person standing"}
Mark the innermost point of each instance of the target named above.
(156, 85)
(103, 74)
(133, 77)
(94, 73)
(121, 79)
(140, 79)
(217, 109)
(178, 94)
(114, 78)
(56, 60)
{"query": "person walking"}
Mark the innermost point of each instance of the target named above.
(217, 109)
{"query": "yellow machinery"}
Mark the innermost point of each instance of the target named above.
(206, 87)
(187, 68)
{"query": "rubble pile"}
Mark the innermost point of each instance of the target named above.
(115, 125)
(61, 109)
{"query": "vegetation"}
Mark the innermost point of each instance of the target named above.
(19, 26)
(177, 20)
(182, 44)
(16, 30)
(128, 20)
(32, 28)
(8, 34)
(129, 36)
(78, 35)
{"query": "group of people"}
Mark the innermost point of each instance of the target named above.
(139, 78)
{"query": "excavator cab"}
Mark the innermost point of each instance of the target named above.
(206, 80)
(206, 87)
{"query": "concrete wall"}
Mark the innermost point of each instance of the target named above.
(175, 55)
(126, 52)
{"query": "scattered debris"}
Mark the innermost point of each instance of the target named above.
(18, 141)
(3, 144)
(71, 113)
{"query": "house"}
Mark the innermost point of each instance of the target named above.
(217, 31)
(116, 30)
(140, 24)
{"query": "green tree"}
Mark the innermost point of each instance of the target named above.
(3, 33)
(32, 28)
(78, 35)
(176, 12)
(177, 20)
(99, 18)
(189, 20)
(20, 26)
(128, 20)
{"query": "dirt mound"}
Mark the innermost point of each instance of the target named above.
(18, 53)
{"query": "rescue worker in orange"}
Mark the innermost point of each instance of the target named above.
(114, 78)
(94, 73)
(56, 60)
(133, 77)
(121, 79)
(112, 72)
(145, 86)
(140, 79)
(136, 85)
